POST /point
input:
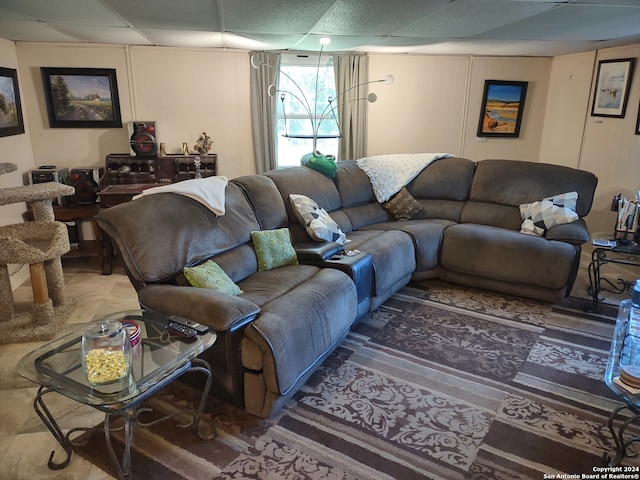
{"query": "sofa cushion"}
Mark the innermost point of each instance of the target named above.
(448, 179)
(512, 183)
(210, 275)
(304, 181)
(507, 256)
(265, 286)
(181, 231)
(353, 184)
(402, 205)
(295, 330)
(426, 236)
(318, 223)
(264, 197)
(392, 254)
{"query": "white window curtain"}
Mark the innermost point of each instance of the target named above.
(263, 110)
(352, 71)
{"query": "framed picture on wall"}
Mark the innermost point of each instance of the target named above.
(612, 87)
(501, 109)
(11, 121)
(81, 97)
(638, 122)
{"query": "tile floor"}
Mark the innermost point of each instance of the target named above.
(25, 443)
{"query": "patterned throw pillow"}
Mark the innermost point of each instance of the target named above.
(538, 217)
(566, 200)
(318, 223)
(402, 205)
(273, 248)
(210, 275)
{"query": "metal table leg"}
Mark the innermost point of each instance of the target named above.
(130, 415)
(622, 444)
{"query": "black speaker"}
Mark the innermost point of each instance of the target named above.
(85, 181)
(49, 173)
(142, 138)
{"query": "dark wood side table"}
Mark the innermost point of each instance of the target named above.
(99, 247)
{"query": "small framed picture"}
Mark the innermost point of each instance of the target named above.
(502, 108)
(81, 97)
(612, 87)
(11, 121)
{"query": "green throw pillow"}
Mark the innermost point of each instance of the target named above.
(273, 248)
(210, 275)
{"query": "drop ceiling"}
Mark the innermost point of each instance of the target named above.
(465, 27)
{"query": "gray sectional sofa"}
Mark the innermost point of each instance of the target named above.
(288, 319)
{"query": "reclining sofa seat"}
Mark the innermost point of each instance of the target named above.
(391, 250)
(271, 337)
(487, 250)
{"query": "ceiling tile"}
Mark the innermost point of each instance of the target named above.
(275, 41)
(101, 34)
(618, 28)
(275, 16)
(557, 20)
(30, 31)
(169, 14)
(465, 18)
(65, 11)
(373, 17)
(182, 38)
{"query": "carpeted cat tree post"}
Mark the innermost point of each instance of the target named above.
(39, 244)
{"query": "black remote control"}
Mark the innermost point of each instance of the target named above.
(198, 327)
(182, 330)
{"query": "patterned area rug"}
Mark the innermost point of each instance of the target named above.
(439, 383)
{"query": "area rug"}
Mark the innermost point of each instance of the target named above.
(440, 382)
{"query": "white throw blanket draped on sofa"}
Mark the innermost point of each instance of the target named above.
(389, 173)
(208, 191)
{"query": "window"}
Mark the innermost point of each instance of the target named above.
(299, 110)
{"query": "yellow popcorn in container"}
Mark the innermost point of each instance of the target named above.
(106, 352)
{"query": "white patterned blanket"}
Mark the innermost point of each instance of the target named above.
(389, 173)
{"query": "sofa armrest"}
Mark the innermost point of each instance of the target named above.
(221, 312)
(575, 233)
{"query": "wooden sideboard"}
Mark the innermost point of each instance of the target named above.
(128, 175)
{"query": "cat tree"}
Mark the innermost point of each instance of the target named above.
(39, 244)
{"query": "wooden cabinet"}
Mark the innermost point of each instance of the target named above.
(128, 175)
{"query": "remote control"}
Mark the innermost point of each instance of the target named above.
(182, 330)
(198, 327)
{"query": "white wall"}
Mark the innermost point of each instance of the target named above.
(424, 110)
(528, 69)
(605, 146)
(434, 105)
(15, 149)
(186, 91)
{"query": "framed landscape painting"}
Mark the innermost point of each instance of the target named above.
(612, 87)
(11, 121)
(81, 97)
(501, 109)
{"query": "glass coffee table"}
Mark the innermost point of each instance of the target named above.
(628, 413)
(159, 358)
